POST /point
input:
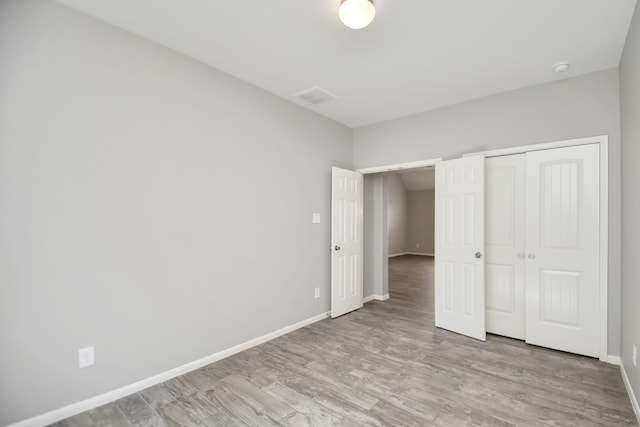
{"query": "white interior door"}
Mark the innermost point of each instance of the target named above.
(459, 246)
(346, 241)
(562, 234)
(505, 245)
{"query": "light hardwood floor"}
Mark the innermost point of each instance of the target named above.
(385, 364)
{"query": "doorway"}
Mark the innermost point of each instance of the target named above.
(410, 211)
(376, 256)
(376, 222)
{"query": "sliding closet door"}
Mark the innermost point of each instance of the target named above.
(505, 245)
(562, 235)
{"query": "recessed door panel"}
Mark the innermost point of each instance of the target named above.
(560, 194)
(500, 190)
(470, 297)
(448, 286)
(500, 287)
(469, 230)
(559, 303)
(448, 220)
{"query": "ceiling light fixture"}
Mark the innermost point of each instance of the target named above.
(356, 14)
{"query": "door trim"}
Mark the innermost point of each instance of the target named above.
(603, 142)
(378, 257)
(542, 146)
(399, 166)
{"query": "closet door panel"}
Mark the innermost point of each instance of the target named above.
(505, 245)
(459, 245)
(562, 235)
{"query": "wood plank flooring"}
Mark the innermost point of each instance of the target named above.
(384, 365)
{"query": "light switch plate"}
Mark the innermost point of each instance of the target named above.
(86, 357)
(316, 293)
(316, 218)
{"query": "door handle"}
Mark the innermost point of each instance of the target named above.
(478, 255)
(532, 256)
(521, 255)
(336, 247)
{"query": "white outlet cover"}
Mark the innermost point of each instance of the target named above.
(86, 357)
(635, 355)
(317, 293)
(316, 218)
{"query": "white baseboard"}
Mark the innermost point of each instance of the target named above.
(632, 396)
(375, 297)
(110, 396)
(613, 360)
(394, 255)
(410, 253)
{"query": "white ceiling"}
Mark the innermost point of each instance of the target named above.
(417, 55)
(418, 179)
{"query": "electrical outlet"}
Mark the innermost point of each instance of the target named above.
(417, 245)
(317, 293)
(86, 357)
(634, 355)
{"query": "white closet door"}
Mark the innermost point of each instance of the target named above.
(505, 245)
(459, 243)
(562, 235)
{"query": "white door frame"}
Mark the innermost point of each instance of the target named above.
(400, 166)
(379, 251)
(603, 141)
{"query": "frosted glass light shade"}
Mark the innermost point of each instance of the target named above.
(356, 14)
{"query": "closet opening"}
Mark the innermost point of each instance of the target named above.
(557, 177)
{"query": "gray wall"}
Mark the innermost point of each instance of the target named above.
(630, 102)
(572, 108)
(420, 217)
(151, 206)
(376, 276)
(396, 214)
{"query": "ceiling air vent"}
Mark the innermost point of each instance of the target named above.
(315, 95)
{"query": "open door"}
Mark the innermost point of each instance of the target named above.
(346, 241)
(459, 246)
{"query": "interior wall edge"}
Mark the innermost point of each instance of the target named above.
(632, 395)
